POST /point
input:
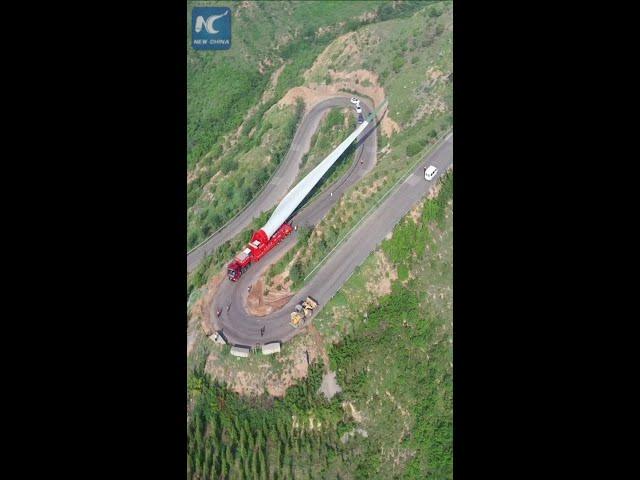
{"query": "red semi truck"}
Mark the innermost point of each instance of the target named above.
(256, 249)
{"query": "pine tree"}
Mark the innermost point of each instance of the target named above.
(286, 458)
(262, 465)
(224, 466)
(205, 469)
(190, 464)
(229, 460)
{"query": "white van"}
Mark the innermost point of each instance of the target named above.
(430, 172)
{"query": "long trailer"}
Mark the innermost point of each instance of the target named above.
(277, 228)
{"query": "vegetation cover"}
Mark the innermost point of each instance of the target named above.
(222, 162)
(393, 355)
(406, 404)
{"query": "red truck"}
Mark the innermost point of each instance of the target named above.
(256, 249)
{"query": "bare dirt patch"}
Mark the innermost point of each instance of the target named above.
(416, 212)
(381, 285)
(329, 386)
(264, 64)
(433, 193)
(200, 312)
(434, 73)
(201, 308)
(351, 410)
(317, 337)
(403, 411)
(260, 305)
(368, 16)
(267, 296)
(210, 182)
(432, 104)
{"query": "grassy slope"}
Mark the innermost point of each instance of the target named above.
(399, 375)
(406, 402)
(265, 34)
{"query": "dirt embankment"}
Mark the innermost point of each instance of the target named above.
(200, 311)
(256, 375)
(386, 274)
(260, 305)
(341, 81)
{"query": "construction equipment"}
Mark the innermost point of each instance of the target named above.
(303, 310)
(297, 316)
(309, 306)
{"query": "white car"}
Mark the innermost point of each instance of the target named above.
(430, 172)
(358, 109)
(355, 100)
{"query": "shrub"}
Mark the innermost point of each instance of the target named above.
(296, 273)
(415, 148)
(228, 164)
(397, 64)
(403, 272)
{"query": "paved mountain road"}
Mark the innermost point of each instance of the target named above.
(285, 175)
(241, 328)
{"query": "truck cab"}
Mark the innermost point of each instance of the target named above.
(239, 265)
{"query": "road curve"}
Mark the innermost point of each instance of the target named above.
(284, 176)
(241, 328)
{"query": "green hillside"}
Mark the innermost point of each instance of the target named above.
(388, 331)
(225, 92)
(413, 57)
(403, 425)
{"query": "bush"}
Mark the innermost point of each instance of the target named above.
(415, 148)
(296, 272)
(403, 272)
(228, 164)
(397, 64)
(434, 12)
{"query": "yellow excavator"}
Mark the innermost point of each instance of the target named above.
(303, 310)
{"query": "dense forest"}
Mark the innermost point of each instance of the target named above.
(297, 437)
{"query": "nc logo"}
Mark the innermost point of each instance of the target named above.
(211, 28)
(208, 23)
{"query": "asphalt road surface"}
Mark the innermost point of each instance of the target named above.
(241, 328)
(287, 172)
